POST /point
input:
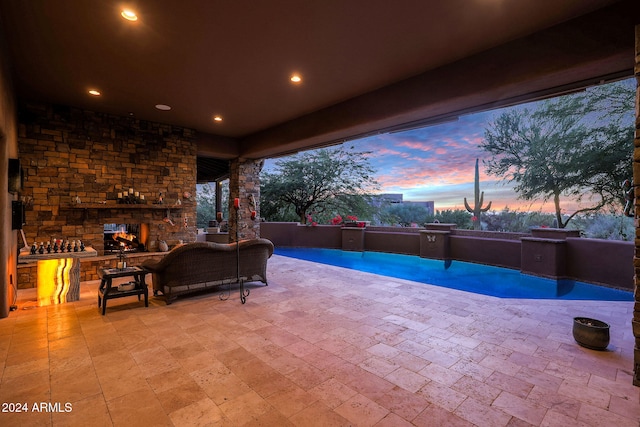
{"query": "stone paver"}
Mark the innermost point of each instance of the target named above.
(320, 345)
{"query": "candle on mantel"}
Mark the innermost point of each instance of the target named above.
(131, 191)
(119, 195)
(142, 197)
(137, 194)
(236, 203)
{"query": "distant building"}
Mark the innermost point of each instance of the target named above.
(389, 197)
(397, 198)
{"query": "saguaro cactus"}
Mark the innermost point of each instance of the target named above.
(479, 199)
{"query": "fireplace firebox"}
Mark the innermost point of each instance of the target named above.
(125, 237)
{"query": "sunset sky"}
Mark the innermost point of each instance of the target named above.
(437, 164)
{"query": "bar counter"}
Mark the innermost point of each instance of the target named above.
(58, 274)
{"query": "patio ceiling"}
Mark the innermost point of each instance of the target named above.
(366, 66)
(211, 169)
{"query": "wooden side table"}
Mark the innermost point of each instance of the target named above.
(107, 291)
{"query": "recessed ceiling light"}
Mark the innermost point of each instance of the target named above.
(94, 92)
(295, 78)
(163, 107)
(129, 15)
(217, 119)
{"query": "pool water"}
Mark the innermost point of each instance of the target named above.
(464, 276)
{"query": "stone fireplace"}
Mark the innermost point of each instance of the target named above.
(77, 162)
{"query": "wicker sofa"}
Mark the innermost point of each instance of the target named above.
(195, 267)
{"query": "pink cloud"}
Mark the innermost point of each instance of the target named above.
(415, 145)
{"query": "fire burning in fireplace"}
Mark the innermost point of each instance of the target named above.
(124, 237)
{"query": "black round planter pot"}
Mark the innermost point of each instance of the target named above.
(591, 333)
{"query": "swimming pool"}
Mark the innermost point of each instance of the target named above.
(464, 276)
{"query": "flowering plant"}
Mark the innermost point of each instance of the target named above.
(351, 219)
(310, 221)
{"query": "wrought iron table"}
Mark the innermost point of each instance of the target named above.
(107, 291)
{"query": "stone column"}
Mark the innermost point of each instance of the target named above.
(244, 185)
(636, 183)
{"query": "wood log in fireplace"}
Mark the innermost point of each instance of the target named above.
(131, 243)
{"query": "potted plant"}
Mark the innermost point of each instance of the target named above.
(591, 333)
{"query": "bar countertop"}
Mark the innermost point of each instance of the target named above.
(26, 256)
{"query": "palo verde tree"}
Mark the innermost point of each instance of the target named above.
(576, 147)
(320, 183)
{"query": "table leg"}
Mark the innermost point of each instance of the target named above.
(136, 278)
(139, 279)
(146, 290)
(105, 296)
(101, 289)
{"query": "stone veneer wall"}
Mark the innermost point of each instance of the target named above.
(636, 183)
(68, 152)
(245, 182)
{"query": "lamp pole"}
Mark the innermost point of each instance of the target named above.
(243, 294)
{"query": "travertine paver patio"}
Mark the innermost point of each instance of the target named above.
(319, 346)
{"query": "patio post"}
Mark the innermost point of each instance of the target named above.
(636, 183)
(244, 185)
